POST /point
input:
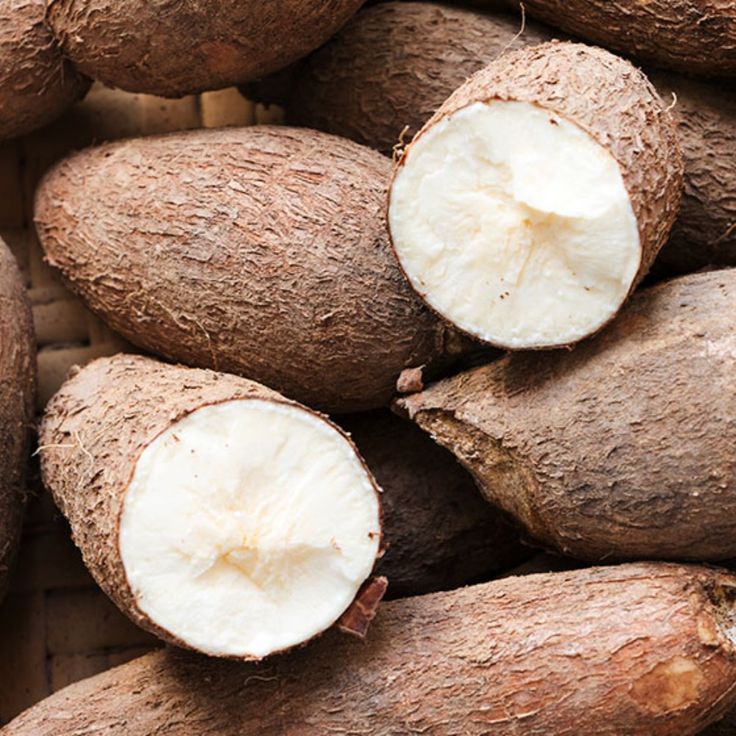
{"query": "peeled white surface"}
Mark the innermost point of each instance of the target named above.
(515, 225)
(248, 527)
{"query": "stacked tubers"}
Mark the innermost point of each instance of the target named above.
(395, 63)
(286, 271)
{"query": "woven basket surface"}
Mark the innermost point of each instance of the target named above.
(56, 626)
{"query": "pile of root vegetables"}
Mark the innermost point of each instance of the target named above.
(476, 234)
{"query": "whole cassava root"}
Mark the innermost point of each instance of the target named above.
(17, 386)
(36, 83)
(395, 63)
(691, 36)
(215, 513)
(438, 531)
(185, 47)
(259, 251)
(643, 649)
(523, 212)
(621, 448)
(392, 66)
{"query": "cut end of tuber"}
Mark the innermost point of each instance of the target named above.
(515, 225)
(248, 528)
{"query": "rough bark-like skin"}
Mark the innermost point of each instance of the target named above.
(17, 387)
(705, 230)
(613, 102)
(438, 531)
(392, 66)
(259, 251)
(691, 36)
(621, 448)
(176, 48)
(36, 83)
(92, 435)
(641, 650)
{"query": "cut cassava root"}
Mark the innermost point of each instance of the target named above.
(395, 63)
(259, 251)
(438, 531)
(186, 48)
(622, 448)
(523, 212)
(642, 650)
(36, 83)
(17, 387)
(214, 513)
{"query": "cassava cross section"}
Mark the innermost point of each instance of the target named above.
(17, 384)
(215, 513)
(36, 83)
(642, 650)
(533, 202)
(259, 251)
(622, 448)
(174, 49)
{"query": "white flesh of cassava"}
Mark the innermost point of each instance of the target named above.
(248, 527)
(515, 225)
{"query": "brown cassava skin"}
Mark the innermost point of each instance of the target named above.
(174, 49)
(395, 63)
(36, 83)
(609, 99)
(438, 531)
(705, 230)
(258, 251)
(392, 66)
(622, 448)
(17, 388)
(641, 650)
(92, 435)
(691, 36)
